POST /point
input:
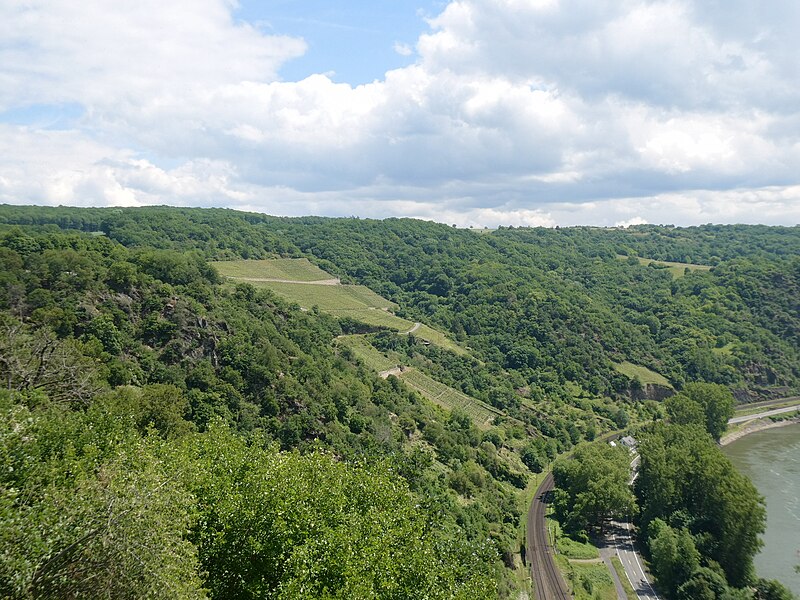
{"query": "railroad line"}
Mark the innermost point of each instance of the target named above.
(548, 583)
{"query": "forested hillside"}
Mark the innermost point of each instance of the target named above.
(150, 406)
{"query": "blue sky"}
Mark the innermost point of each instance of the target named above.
(353, 40)
(475, 112)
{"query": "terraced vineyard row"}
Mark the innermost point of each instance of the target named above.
(437, 338)
(482, 414)
(372, 358)
(294, 269)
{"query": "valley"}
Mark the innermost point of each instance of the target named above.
(438, 372)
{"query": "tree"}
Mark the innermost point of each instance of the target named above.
(709, 405)
(717, 402)
(674, 556)
(770, 589)
(266, 530)
(685, 476)
(90, 512)
(593, 486)
(704, 584)
(682, 410)
(35, 360)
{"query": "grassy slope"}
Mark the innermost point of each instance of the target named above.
(295, 269)
(644, 374)
(482, 414)
(676, 269)
(435, 391)
(437, 338)
(354, 301)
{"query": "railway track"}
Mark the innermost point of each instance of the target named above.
(549, 585)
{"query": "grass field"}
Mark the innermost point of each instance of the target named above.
(370, 356)
(328, 297)
(644, 374)
(438, 338)
(356, 302)
(677, 269)
(482, 414)
(374, 317)
(292, 269)
(588, 581)
(353, 301)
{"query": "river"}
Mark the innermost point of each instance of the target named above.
(771, 459)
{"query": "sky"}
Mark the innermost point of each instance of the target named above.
(471, 112)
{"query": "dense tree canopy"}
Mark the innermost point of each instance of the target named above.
(132, 375)
(593, 486)
(686, 483)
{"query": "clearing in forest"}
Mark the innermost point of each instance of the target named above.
(368, 354)
(390, 363)
(300, 281)
(481, 413)
(644, 374)
(676, 269)
(289, 269)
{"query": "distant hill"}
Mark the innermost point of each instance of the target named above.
(123, 327)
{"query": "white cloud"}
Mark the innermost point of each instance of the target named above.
(403, 49)
(630, 222)
(109, 54)
(516, 112)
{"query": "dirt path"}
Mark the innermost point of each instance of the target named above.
(392, 371)
(317, 282)
(413, 329)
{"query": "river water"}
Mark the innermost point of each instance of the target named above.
(771, 459)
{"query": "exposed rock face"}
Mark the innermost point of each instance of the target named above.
(652, 391)
(746, 396)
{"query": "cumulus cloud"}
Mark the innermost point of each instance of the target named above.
(515, 112)
(403, 49)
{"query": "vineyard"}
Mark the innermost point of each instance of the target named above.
(482, 414)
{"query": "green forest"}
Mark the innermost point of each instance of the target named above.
(169, 431)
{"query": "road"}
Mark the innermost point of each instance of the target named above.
(621, 537)
(548, 583)
(766, 413)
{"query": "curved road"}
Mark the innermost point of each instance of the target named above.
(549, 585)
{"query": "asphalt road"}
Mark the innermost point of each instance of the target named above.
(622, 539)
(547, 580)
(766, 413)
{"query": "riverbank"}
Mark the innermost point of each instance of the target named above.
(753, 426)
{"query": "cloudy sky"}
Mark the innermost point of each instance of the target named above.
(474, 112)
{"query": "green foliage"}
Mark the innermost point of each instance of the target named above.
(685, 480)
(88, 510)
(288, 526)
(704, 404)
(682, 410)
(717, 402)
(592, 487)
(117, 310)
(674, 555)
(770, 589)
